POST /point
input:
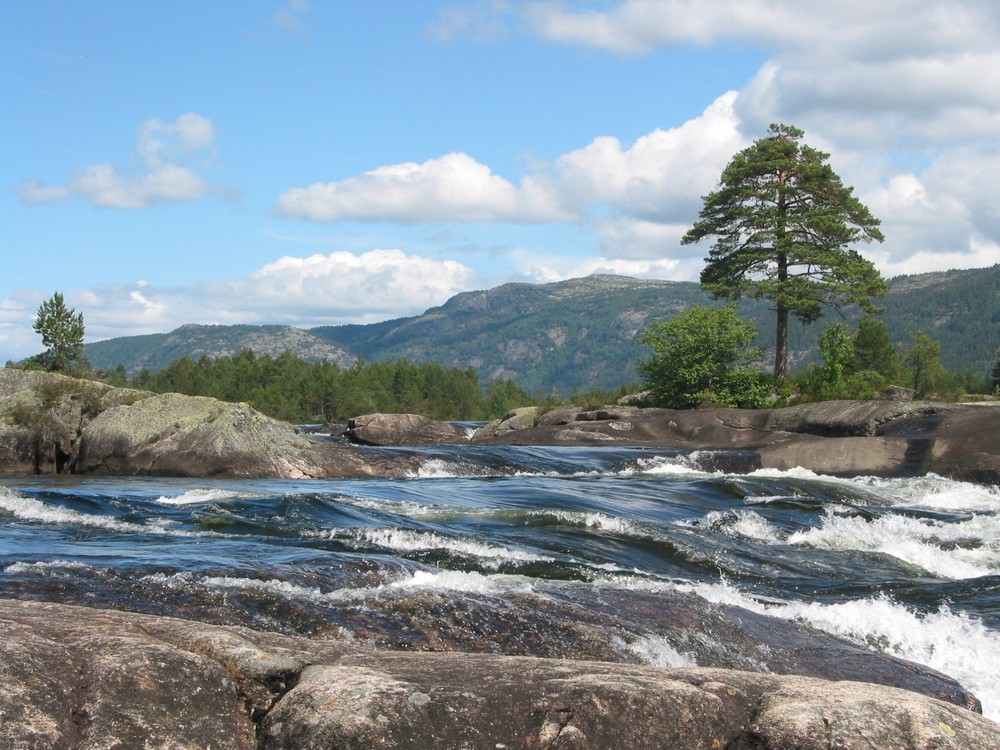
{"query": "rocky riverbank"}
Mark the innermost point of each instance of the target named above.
(840, 438)
(51, 424)
(82, 678)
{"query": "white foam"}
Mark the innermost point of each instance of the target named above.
(192, 497)
(654, 650)
(437, 468)
(408, 540)
(739, 523)
(594, 520)
(933, 492)
(44, 567)
(669, 466)
(28, 509)
(956, 550)
(952, 643)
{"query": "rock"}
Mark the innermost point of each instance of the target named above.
(51, 424)
(516, 419)
(897, 393)
(172, 434)
(76, 678)
(403, 429)
(841, 438)
(41, 415)
(848, 418)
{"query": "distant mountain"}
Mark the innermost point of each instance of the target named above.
(961, 309)
(564, 336)
(578, 334)
(157, 350)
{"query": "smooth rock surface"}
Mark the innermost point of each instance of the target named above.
(81, 678)
(842, 438)
(403, 429)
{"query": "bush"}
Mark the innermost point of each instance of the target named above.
(703, 356)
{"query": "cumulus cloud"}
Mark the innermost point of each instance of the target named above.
(332, 289)
(877, 84)
(903, 68)
(662, 175)
(454, 187)
(161, 171)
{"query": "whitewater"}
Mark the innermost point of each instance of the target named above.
(509, 549)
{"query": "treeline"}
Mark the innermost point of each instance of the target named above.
(292, 389)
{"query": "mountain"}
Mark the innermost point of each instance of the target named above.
(576, 334)
(579, 334)
(157, 350)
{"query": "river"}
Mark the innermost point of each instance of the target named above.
(515, 550)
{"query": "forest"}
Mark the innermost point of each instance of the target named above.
(290, 388)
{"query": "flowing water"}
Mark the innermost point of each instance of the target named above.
(513, 549)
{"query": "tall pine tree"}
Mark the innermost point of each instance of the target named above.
(783, 223)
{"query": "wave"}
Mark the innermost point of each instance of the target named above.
(968, 549)
(192, 497)
(953, 643)
(738, 523)
(408, 540)
(28, 509)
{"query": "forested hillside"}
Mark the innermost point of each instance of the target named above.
(156, 351)
(579, 334)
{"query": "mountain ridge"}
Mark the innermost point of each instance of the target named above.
(576, 334)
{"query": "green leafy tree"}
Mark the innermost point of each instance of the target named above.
(922, 363)
(783, 222)
(704, 354)
(61, 329)
(995, 378)
(837, 347)
(873, 348)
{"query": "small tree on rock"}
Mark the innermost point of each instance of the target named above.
(704, 354)
(61, 329)
(783, 223)
(922, 362)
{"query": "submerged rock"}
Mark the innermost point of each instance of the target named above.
(82, 678)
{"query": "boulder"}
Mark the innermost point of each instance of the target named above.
(514, 420)
(85, 678)
(51, 424)
(403, 429)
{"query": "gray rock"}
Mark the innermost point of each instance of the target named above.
(76, 678)
(403, 429)
(516, 419)
(842, 438)
(51, 424)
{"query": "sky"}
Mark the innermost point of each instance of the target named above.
(318, 162)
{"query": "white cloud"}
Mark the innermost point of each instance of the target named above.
(880, 85)
(906, 68)
(454, 187)
(662, 175)
(317, 290)
(38, 192)
(161, 173)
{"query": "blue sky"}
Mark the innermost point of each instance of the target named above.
(314, 163)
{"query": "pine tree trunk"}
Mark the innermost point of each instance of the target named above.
(781, 329)
(781, 344)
